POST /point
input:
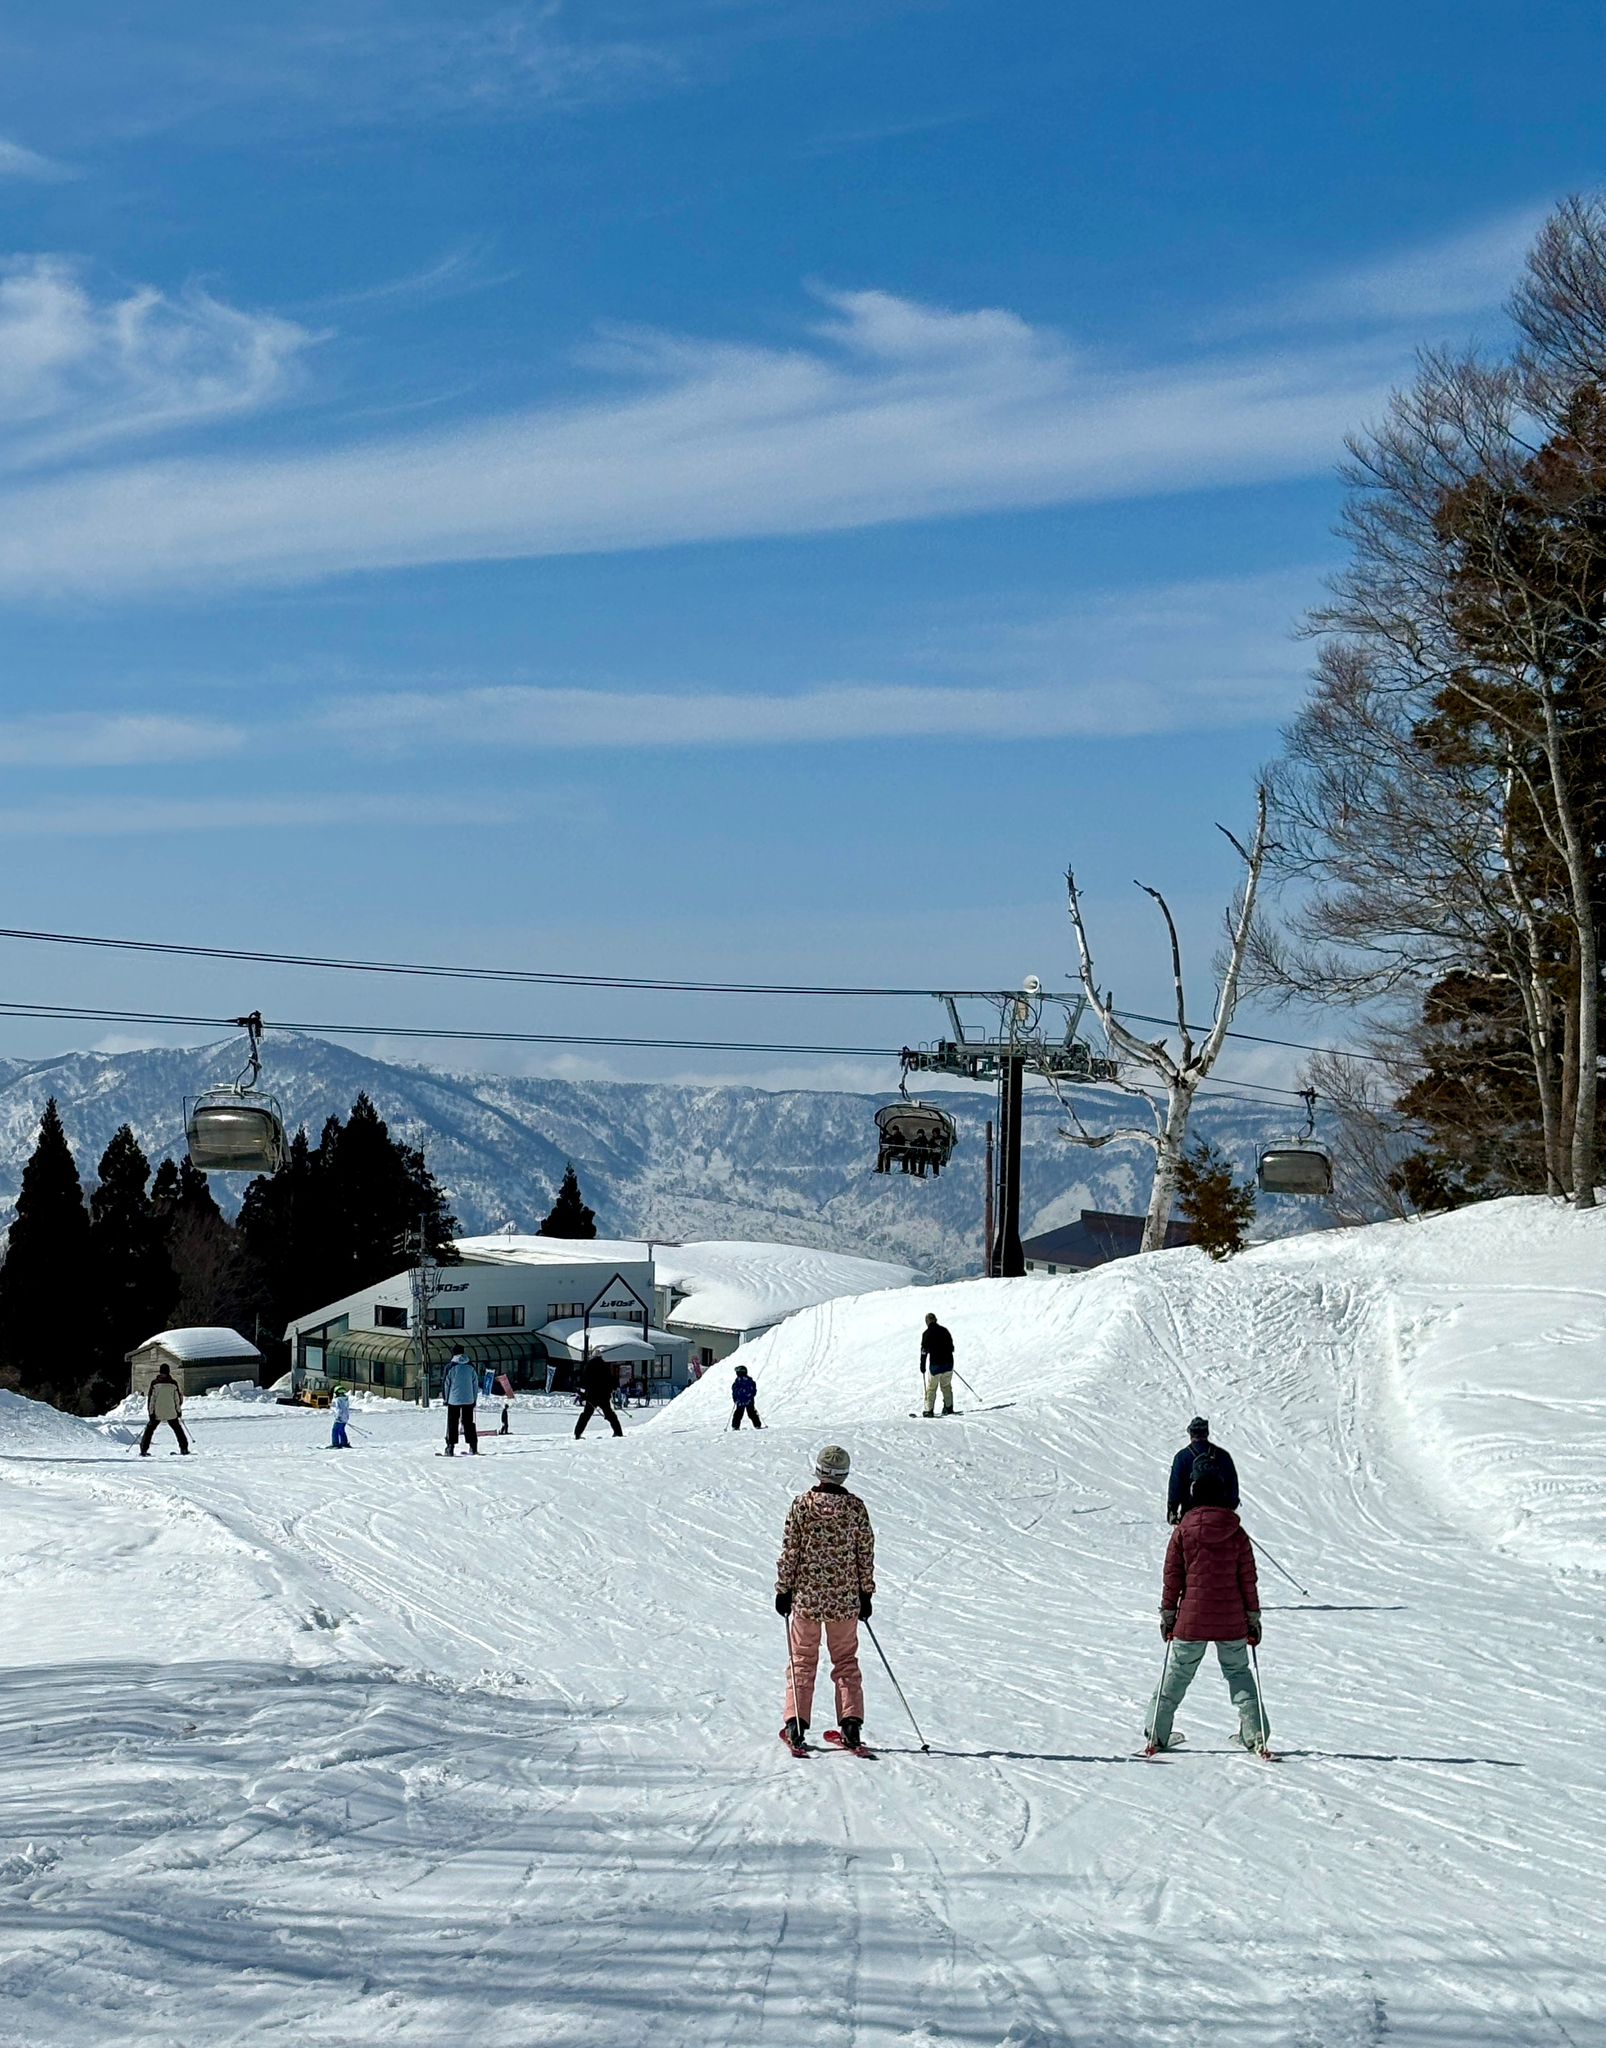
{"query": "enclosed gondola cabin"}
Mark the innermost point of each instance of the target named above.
(234, 1131)
(1295, 1170)
(915, 1136)
(239, 1129)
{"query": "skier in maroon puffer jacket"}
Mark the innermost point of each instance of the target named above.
(1210, 1596)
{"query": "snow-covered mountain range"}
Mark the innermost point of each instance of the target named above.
(655, 1160)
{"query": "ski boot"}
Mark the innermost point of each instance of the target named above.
(794, 1734)
(852, 1734)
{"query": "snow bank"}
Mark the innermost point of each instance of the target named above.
(1478, 1340)
(734, 1284)
(35, 1429)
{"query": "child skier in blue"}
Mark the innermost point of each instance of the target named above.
(337, 1436)
(744, 1397)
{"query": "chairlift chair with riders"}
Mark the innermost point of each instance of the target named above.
(240, 1128)
(916, 1136)
(1297, 1167)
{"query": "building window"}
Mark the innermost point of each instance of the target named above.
(389, 1318)
(661, 1368)
(446, 1319)
(508, 1318)
(561, 1311)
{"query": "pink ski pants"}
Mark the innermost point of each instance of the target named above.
(842, 1641)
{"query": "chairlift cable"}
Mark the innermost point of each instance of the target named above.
(539, 977)
(78, 1014)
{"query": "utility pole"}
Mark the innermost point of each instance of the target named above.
(1009, 1261)
(413, 1246)
(987, 1215)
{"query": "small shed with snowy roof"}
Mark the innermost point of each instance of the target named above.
(209, 1356)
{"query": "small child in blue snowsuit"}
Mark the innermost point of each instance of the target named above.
(337, 1436)
(744, 1392)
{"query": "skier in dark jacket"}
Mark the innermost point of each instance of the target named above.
(937, 1365)
(1176, 1499)
(1209, 1595)
(744, 1393)
(597, 1382)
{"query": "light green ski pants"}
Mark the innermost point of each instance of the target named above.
(1183, 1661)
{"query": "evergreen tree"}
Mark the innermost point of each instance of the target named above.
(46, 1283)
(569, 1216)
(200, 1245)
(282, 1248)
(1209, 1199)
(329, 1222)
(134, 1278)
(378, 1190)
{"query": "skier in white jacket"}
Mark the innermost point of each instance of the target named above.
(164, 1402)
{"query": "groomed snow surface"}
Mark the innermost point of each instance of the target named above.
(382, 1748)
(736, 1286)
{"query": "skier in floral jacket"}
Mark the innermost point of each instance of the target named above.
(823, 1584)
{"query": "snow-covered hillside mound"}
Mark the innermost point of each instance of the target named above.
(32, 1429)
(1476, 1340)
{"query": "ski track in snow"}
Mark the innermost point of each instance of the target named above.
(378, 1748)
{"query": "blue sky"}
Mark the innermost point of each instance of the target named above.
(712, 488)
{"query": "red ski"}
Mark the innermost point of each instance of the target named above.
(834, 1737)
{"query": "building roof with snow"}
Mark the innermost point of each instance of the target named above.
(203, 1342)
(508, 1248)
(741, 1286)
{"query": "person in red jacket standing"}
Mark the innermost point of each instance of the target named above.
(1210, 1595)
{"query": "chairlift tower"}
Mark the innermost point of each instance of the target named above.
(1015, 1045)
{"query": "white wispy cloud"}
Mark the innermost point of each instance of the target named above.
(29, 166)
(1178, 657)
(78, 372)
(1456, 276)
(84, 739)
(129, 817)
(888, 410)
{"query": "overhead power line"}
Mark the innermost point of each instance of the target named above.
(549, 978)
(185, 1020)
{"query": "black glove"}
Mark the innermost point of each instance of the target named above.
(783, 1604)
(1168, 1623)
(1253, 1630)
(864, 1607)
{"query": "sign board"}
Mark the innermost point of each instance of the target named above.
(617, 1301)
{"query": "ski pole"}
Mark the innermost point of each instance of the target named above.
(969, 1389)
(1159, 1693)
(1288, 1575)
(791, 1665)
(898, 1689)
(1260, 1696)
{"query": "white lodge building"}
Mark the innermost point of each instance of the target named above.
(529, 1307)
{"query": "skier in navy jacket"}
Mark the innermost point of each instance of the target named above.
(744, 1393)
(1177, 1494)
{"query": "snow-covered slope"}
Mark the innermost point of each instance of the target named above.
(384, 1749)
(655, 1160)
(747, 1286)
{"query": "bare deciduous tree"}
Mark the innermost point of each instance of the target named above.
(1181, 1071)
(1476, 587)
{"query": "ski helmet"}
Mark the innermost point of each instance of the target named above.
(832, 1462)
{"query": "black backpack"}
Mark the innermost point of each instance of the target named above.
(1207, 1477)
